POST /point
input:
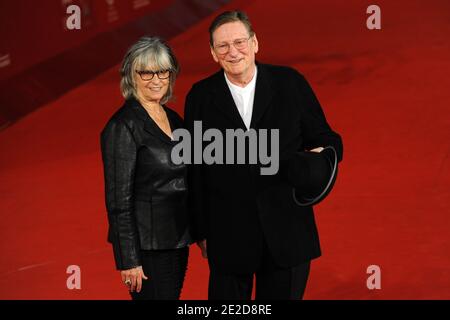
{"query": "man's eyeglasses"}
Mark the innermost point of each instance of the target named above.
(239, 44)
(148, 75)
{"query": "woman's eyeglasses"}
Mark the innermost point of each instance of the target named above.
(147, 75)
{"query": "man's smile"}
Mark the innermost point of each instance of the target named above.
(235, 61)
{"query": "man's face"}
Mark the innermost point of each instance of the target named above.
(235, 61)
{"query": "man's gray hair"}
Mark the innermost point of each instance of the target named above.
(148, 53)
(227, 17)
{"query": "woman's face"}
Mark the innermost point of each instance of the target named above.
(151, 84)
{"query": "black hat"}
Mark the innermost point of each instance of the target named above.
(313, 175)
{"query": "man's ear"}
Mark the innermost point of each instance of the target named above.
(214, 54)
(255, 43)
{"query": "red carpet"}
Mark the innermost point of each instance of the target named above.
(385, 91)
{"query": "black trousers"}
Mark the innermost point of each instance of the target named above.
(166, 270)
(272, 282)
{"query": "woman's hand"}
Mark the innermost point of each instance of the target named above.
(133, 278)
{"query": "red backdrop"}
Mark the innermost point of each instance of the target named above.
(32, 31)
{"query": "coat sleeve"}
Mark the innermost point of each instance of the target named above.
(119, 162)
(316, 133)
(197, 216)
(316, 130)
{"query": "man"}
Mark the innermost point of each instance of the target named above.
(246, 223)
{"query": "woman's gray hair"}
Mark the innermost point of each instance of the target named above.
(146, 53)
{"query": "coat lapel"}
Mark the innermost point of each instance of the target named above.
(223, 100)
(263, 95)
(149, 124)
(225, 103)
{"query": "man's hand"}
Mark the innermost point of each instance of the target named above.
(318, 150)
(202, 246)
(133, 278)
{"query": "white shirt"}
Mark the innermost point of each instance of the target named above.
(243, 98)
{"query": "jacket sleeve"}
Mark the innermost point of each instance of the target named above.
(316, 130)
(119, 161)
(197, 216)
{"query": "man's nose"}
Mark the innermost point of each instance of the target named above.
(233, 51)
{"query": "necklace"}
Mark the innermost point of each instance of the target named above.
(159, 115)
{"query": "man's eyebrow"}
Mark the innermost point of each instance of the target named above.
(223, 42)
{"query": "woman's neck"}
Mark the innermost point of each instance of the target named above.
(151, 106)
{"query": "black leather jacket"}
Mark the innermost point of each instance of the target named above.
(145, 192)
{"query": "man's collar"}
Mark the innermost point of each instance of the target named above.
(248, 86)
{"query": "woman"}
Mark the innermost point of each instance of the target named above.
(145, 192)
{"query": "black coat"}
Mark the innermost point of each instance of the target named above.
(145, 192)
(233, 206)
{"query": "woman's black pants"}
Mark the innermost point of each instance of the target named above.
(166, 270)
